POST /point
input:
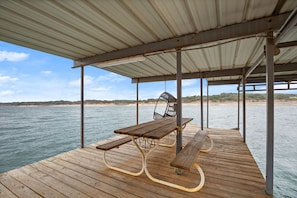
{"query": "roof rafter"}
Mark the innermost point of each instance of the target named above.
(226, 32)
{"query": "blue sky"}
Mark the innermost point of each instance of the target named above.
(30, 75)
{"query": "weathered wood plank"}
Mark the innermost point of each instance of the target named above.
(93, 182)
(52, 182)
(114, 186)
(138, 129)
(140, 183)
(59, 175)
(6, 193)
(162, 131)
(114, 144)
(35, 185)
(187, 156)
(19, 189)
(230, 171)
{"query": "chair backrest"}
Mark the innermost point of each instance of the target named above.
(165, 106)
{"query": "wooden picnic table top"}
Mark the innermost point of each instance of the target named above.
(155, 129)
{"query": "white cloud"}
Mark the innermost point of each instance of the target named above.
(5, 79)
(186, 83)
(111, 77)
(47, 72)
(12, 56)
(101, 89)
(87, 81)
(6, 93)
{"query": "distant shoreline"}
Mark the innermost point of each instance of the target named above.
(196, 103)
(222, 99)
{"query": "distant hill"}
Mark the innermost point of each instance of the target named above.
(232, 97)
(223, 97)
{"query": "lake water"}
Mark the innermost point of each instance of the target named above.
(29, 134)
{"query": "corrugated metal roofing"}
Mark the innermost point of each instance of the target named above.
(81, 29)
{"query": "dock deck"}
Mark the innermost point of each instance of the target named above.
(230, 171)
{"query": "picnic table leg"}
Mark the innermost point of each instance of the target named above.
(169, 145)
(195, 189)
(126, 171)
(210, 148)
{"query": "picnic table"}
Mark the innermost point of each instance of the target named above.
(146, 137)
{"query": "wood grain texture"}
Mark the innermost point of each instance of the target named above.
(187, 156)
(230, 171)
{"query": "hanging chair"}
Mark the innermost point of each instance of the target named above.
(165, 106)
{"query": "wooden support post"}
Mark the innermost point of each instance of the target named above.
(137, 103)
(207, 100)
(270, 112)
(82, 109)
(244, 107)
(238, 106)
(179, 101)
(201, 100)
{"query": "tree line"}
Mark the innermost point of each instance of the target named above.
(223, 97)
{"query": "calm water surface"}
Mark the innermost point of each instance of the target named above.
(29, 134)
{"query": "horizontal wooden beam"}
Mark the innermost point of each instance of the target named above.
(262, 79)
(218, 73)
(227, 32)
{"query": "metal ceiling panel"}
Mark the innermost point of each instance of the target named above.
(81, 29)
(258, 8)
(176, 15)
(203, 14)
(147, 14)
(199, 59)
(287, 55)
(231, 12)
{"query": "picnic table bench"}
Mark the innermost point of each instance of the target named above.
(114, 144)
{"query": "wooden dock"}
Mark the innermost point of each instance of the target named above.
(230, 171)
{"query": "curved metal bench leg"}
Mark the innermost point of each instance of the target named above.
(169, 145)
(123, 170)
(195, 189)
(174, 142)
(210, 148)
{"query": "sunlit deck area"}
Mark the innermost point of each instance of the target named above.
(230, 171)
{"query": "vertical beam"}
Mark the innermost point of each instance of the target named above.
(244, 107)
(137, 102)
(82, 108)
(270, 112)
(238, 106)
(201, 100)
(179, 101)
(207, 100)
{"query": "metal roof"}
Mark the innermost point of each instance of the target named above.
(220, 39)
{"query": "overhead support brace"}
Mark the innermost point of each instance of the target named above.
(290, 22)
(227, 32)
(255, 65)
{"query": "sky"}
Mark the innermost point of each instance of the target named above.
(30, 75)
